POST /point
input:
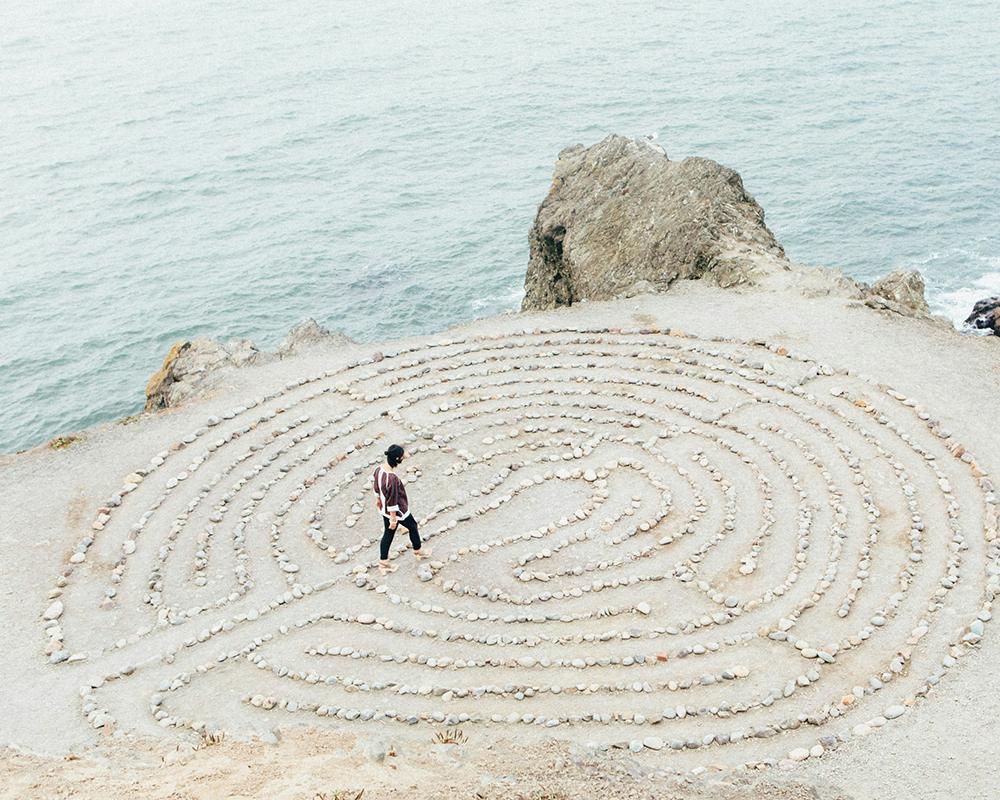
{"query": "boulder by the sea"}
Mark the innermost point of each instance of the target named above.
(621, 217)
(986, 315)
(187, 365)
(309, 333)
(193, 365)
(901, 291)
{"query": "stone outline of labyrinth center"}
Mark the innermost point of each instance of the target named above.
(608, 564)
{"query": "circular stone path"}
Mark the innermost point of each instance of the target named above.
(714, 549)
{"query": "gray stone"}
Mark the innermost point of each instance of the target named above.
(620, 212)
(307, 334)
(54, 611)
(194, 366)
(901, 291)
(985, 315)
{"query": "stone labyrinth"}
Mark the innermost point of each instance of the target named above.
(710, 548)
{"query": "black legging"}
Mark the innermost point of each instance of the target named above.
(409, 523)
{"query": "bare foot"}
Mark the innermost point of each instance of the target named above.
(385, 567)
(422, 553)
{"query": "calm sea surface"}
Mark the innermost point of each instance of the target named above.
(178, 168)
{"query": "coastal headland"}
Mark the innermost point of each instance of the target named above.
(704, 523)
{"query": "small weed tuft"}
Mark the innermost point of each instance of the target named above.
(209, 738)
(450, 736)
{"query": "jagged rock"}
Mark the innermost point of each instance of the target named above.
(901, 291)
(639, 287)
(986, 315)
(309, 333)
(188, 364)
(818, 282)
(192, 366)
(621, 217)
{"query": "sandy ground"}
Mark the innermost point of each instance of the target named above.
(944, 743)
(327, 766)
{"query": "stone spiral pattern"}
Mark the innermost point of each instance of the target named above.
(712, 548)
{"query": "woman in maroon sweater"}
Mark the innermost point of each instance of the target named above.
(393, 505)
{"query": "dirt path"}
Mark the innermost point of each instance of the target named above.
(655, 542)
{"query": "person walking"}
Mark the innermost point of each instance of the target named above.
(393, 505)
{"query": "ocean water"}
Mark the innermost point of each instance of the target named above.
(228, 168)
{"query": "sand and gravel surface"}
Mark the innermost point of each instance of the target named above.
(700, 544)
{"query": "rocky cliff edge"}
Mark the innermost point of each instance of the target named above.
(192, 366)
(622, 219)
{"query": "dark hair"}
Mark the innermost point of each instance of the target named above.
(394, 455)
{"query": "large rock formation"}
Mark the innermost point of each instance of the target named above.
(986, 315)
(192, 365)
(900, 291)
(309, 333)
(187, 365)
(621, 218)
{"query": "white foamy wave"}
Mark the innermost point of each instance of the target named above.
(957, 304)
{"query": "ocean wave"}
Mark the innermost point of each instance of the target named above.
(957, 304)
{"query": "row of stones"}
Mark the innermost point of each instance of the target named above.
(167, 719)
(805, 679)
(315, 532)
(727, 525)
(517, 691)
(133, 480)
(175, 481)
(730, 523)
(875, 721)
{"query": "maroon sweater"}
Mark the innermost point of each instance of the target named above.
(390, 494)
